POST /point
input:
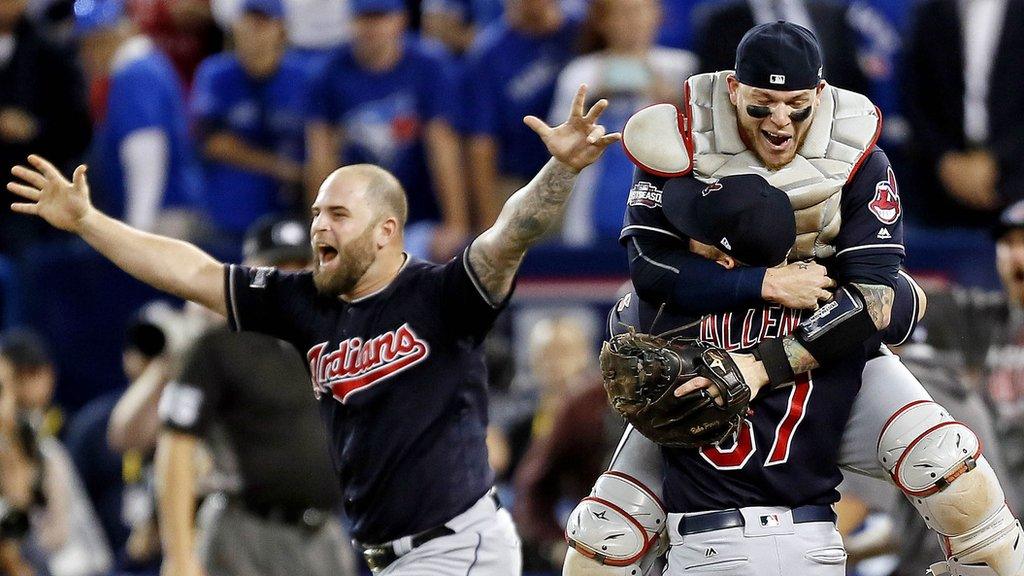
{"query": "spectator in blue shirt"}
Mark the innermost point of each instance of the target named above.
(247, 110)
(142, 155)
(389, 98)
(456, 22)
(623, 65)
(511, 73)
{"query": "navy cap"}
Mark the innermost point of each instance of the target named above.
(271, 8)
(1011, 218)
(779, 56)
(94, 15)
(741, 215)
(362, 7)
(275, 239)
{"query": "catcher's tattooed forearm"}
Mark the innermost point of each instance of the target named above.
(878, 300)
(800, 360)
(529, 213)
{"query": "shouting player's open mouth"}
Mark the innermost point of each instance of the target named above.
(776, 140)
(325, 253)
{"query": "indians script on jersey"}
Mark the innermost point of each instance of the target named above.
(357, 364)
(742, 330)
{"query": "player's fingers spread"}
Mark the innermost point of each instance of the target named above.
(44, 166)
(28, 175)
(578, 100)
(609, 139)
(596, 110)
(537, 125)
(79, 176)
(26, 192)
(25, 208)
(596, 134)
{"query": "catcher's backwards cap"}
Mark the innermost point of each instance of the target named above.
(779, 56)
(741, 215)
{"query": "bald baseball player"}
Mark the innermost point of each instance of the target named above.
(777, 117)
(392, 342)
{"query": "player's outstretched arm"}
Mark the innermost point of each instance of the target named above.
(176, 267)
(529, 213)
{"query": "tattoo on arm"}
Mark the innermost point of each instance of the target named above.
(800, 360)
(527, 215)
(879, 300)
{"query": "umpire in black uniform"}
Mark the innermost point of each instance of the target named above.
(247, 396)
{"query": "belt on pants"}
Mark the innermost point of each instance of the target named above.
(380, 556)
(723, 519)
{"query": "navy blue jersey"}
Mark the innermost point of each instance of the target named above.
(786, 452)
(401, 383)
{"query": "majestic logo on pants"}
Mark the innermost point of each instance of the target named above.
(357, 364)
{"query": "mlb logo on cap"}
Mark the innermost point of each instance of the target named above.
(777, 79)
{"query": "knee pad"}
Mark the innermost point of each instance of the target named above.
(937, 463)
(618, 525)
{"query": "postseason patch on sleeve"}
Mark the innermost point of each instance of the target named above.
(644, 194)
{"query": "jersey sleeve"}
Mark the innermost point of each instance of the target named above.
(869, 246)
(905, 308)
(466, 308)
(644, 213)
(189, 403)
(266, 300)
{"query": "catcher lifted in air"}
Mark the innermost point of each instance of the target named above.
(825, 392)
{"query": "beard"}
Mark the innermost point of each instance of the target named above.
(352, 262)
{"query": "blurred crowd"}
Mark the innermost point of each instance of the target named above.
(216, 120)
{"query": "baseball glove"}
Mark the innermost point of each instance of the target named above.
(642, 371)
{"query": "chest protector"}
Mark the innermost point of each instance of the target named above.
(704, 139)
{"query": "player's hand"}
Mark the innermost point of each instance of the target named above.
(50, 196)
(580, 140)
(798, 285)
(753, 372)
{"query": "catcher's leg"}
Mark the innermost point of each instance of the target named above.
(618, 530)
(937, 462)
(915, 438)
